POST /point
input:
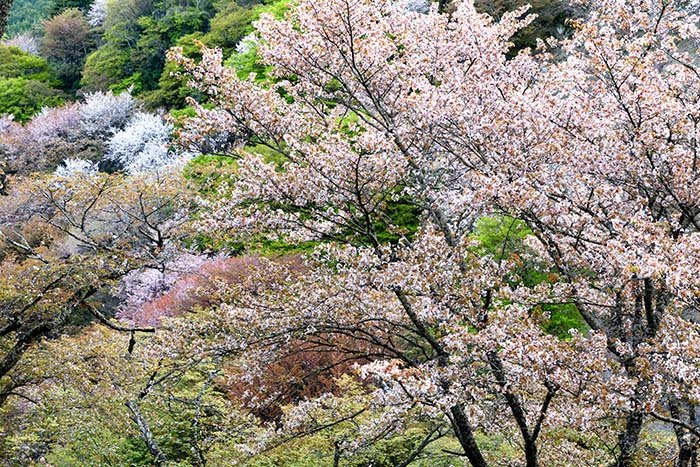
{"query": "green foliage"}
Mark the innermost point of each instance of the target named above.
(501, 237)
(276, 8)
(59, 6)
(121, 24)
(498, 448)
(231, 22)
(391, 451)
(14, 63)
(208, 172)
(105, 67)
(92, 436)
(138, 33)
(173, 91)
(269, 155)
(179, 114)
(26, 15)
(248, 62)
(112, 61)
(401, 218)
(133, 84)
(26, 84)
(158, 35)
(563, 318)
(271, 247)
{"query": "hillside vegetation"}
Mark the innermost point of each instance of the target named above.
(359, 233)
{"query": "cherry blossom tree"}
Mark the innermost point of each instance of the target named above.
(379, 103)
(607, 180)
(352, 148)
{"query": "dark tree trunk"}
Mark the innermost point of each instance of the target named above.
(629, 439)
(529, 441)
(5, 6)
(465, 435)
(687, 441)
(687, 454)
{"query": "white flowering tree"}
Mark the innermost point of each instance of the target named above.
(76, 168)
(25, 41)
(78, 130)
(144, 145)
(103, 114)
(97, 14)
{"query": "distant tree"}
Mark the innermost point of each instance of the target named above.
(65, 44)
(143, 145)
(106, 113)
(44, 141)
(97, 15)
(26, 42)
(105, 67)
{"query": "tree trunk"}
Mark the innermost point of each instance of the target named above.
(5, 6)
(687, 441)
(465, 435)
(146, 434)
(629, 439)
(516, 408)
(687, 453)
(531, 454)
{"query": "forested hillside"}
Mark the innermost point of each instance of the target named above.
(349, 233)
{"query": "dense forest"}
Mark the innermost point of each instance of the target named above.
(349, 233)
